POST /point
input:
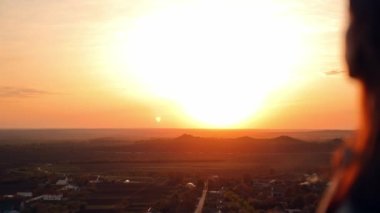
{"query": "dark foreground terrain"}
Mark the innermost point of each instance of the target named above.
(182, 174)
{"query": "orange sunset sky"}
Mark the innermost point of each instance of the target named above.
(175, 64)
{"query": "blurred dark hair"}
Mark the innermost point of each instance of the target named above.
(363, 41)
(355, 186)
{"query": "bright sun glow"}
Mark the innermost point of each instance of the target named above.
(218, 60)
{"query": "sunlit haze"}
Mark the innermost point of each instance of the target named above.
(175, 64)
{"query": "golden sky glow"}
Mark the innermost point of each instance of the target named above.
(174, 63)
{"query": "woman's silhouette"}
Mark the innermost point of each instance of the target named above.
(356, 184)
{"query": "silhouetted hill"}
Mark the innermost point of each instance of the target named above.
(184, 147)
(23, 136)
(189, 143)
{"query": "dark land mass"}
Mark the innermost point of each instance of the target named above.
(189, 143)
(61, 135)
(114, 174)
(105, 148)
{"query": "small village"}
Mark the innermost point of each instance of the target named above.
(46, 191)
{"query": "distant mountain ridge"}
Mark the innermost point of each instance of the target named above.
(186, 147)
(57, 135)
(189, 143)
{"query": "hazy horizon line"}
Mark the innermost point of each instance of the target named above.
(212, 129)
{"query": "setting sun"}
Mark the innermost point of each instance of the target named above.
(187, 105)
(194, 63)
(219, 68)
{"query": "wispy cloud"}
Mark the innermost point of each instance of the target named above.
(333, 72)
(20, 92)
